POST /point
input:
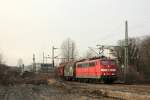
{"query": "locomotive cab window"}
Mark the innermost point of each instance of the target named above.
(112, 62)
(108, 62)
(92, 64)
(79, 65)
(83, 65)
(104, 62)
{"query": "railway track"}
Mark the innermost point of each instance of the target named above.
(145, 87)
(76, 90)
(43, 92)
(118, 90)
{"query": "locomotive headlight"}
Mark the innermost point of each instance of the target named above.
(113, 73)
(113, 70)
(104, 69)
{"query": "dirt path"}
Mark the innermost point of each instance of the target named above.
(120, 91)
(41, 92)
(64, 90)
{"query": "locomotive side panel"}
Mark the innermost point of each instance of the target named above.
(87, 69)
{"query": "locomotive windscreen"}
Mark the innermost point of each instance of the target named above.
(108, 62)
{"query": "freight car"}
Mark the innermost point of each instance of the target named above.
(94, 69)
(60, 70)
(69, 71)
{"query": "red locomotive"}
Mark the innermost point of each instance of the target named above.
(95, 69)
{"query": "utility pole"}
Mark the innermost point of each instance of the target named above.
(53, 56)
(53, 62)
(34, 64)
(126, 51)
(43, 57)
(68, 51)
(72, 51)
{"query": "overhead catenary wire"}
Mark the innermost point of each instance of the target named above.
(116, 33)
(109, 34)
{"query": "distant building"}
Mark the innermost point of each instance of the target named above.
(46, 67)
(40, 67)
(28, 68)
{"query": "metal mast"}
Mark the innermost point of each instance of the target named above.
(126, 51)
(34, 64)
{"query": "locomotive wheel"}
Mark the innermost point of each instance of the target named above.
(108, 81)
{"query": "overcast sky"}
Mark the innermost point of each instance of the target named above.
(33, 26)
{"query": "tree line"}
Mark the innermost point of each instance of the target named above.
(138, 59)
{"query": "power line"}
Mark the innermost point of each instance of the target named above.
(93, 50)
(109, 35)
(114, 34)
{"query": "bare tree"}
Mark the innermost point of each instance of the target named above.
(133, 51)
(68, 50)
(139, 58)
(134, 58)
(1, 59)
(145, 57)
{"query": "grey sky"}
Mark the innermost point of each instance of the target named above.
(33, 26)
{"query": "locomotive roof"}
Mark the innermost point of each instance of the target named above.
(93, 58)
(88, 59)
(66, 62)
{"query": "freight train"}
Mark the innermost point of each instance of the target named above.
(89, 70)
